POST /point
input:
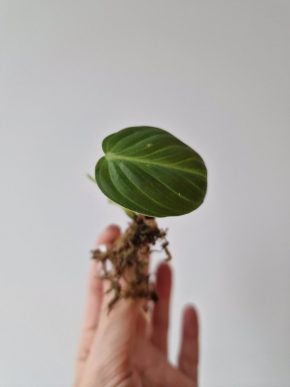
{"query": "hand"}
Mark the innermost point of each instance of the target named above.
(123, 348)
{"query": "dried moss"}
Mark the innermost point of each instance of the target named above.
(126, 264)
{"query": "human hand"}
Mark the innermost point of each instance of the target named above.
(123, 348)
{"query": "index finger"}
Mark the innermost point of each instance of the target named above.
(92, 303)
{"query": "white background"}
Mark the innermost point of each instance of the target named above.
(216, 74)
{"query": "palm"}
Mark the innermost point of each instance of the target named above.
(129, 350)
(153, 368)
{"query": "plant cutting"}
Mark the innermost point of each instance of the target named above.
(151, 174)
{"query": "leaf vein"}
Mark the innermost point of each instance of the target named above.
(135, 160)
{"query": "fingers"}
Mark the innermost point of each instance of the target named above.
(109, 235)
(160, 317)
(188, 356)
(114, 340)
(120, 324)
(93, 301)
(115, 290)
(156, 370)
(94, 294)
(118, 321)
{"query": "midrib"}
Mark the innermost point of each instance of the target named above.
(113, 156)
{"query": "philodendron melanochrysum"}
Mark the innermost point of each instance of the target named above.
(150, 173)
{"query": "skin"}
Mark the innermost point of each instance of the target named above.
(126, 348)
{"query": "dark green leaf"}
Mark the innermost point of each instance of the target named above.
(149, 171)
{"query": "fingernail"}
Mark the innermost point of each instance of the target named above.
(112, 227)
(103, 248)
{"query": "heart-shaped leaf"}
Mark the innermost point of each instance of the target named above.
(149, 171)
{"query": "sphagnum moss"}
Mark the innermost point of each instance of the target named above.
(130, 254)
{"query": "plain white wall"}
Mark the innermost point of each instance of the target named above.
(214, 73)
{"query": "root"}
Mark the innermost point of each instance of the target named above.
(126, 264)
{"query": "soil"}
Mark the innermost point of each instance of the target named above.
(126, 263)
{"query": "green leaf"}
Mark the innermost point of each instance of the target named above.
(149, 171)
